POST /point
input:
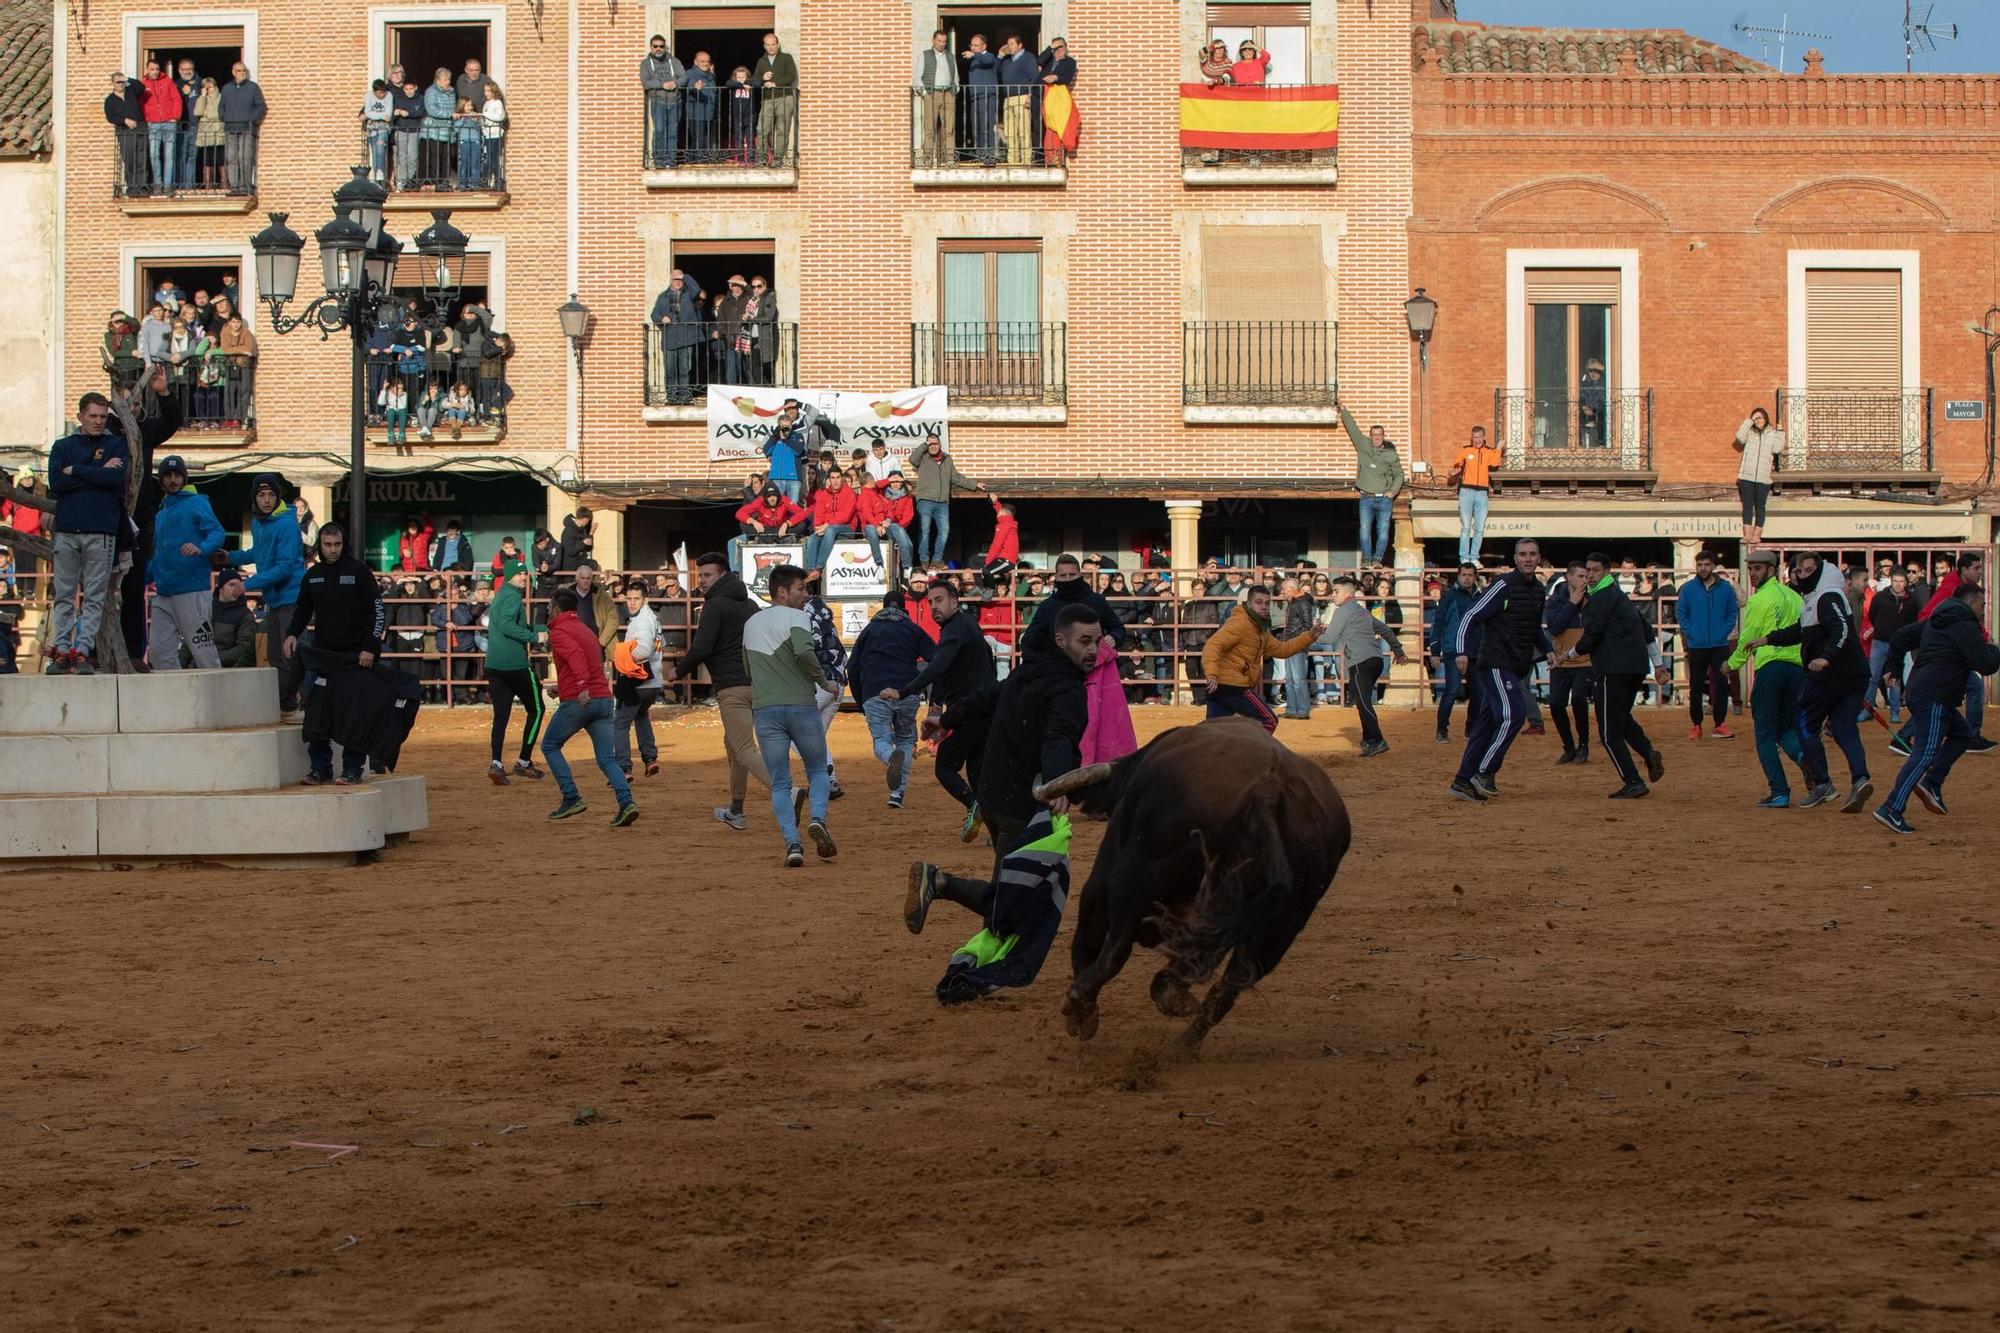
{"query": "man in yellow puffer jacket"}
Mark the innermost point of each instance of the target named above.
(1233, 658)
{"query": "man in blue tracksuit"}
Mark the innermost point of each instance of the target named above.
(1706, 614)
(1950, 647)
(889, 651)
(185, 535)
(1452, 605)
(1503, 632)
(278, 553)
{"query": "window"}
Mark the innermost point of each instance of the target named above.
(1854, 329)
(212, 47)
(1280, 29)
(990, 297)
(995, 23)
(1572, 355)
(422, 49)
(1260, 343)
(732, 36)
(193, 277)
(474, 287)
(711, 262)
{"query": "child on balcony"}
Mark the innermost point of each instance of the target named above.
(741, 117)
(395, 403)
(493, 131)
(471, 143)
(458, 408)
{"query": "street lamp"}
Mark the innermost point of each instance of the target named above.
(358, 267)
(574, 316)
(1420, 312)
(1988, 330)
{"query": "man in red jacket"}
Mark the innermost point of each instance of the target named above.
(836, 516)
(1005, 552)
(769, 518)
(1968, 570)
(586, 706)
(887, 510)
(162, 103)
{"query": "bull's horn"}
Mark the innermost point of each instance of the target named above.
(1074, 780)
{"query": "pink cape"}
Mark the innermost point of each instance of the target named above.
(1109, 735)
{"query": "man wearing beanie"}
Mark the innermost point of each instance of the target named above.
(277, 551)
(185, 535)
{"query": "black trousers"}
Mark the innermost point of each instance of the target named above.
(976, 895)
(1569, 698)
(505, 687)
(1615, 727)
(1361, 679)
(960, 750)
(1706, 673)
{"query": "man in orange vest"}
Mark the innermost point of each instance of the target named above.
(1473, 474)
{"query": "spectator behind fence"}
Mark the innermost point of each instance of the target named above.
(230, 621)
(468, 127)
(163, 117)
(406, 137)
(660, 76)
(1019, 73)
(119, 351)
(125, 112)
(1215, 63)
(451, 549)
(698, 100)
(209, 137)
(596, 607)
(678, 313)
(777, 78)
(378, 123)
(188, 84)
(493, 127)
(935, 78)
(242, 110)
(1252, 66)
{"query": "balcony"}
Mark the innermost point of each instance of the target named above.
(218, 402)
(677, 378)
(1004, 371)
(1856, 439)
(746, 142)
(988, 135)
(434, 410)
(1556, 441)
(220, 178)
(467, 174)
(1263, 134)
(1278, 372)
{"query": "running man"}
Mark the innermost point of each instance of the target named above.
(1615, 639)
(585, 706)
(1836, 681)
(1774, 696)
(1569, 678)
(1969, 568)
(890, 647)
(832, 656)
(1037, 717)
(718, 645)
(961, 668)
(1950, 646)
(784, 682)
(1503, 633)
(509, 677)
(1706, 614)
(1356, 636)
(1232, 661)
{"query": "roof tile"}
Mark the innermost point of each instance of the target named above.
(24, 90)
(1476, 48)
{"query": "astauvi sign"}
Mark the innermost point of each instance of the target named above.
(851, 571)
(742, 417)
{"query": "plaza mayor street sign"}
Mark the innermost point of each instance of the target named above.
(1965, 409)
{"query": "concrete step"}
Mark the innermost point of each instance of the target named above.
(255, 758)
(159, 701)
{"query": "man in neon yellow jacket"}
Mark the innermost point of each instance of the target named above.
(1774, 696)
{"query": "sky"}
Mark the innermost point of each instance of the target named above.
(1862, 36)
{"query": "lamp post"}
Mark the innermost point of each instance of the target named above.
(1420, 312)
(358, 268)
(1988, 330)
(574, 316)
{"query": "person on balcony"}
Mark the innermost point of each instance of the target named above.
(777, 77)
(729, 362)
(698, 105)
(1019, 75)
(1215, 64)
(1762, 446)
(163, 118)
(242, 113)
(469, 126)
(406, 126)
(208, 136)
(471, 84)
(492, 391)
(440, 131)
(678, 313)
(740, 117)
(125, 112)
(120, 351)
(1378, 475)
(493, 129)
(660, 78)
(1252, 66)
(1058, 66)
(935, 80)
(982, 98)
(759, 341)
(188, 84)
(1593, 401)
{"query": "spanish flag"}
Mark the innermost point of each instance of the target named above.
(1258, 117)
(1060, 124)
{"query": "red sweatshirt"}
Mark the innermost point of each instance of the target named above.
(1006, 538)
(1946, 587)
(877, 507)
(831, 507)
(771, 516)
(415, 551)
(161, 100)
(996, 619)
(579, 659)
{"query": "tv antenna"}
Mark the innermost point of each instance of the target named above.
(1783, 31)
(1920, 34)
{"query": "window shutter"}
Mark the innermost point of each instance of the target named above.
(1236, 264)
(690, 249)
(702, 19)
(191, 38)
(1589, 286)
(410, 270)
(1854, 329)
(1259, 16)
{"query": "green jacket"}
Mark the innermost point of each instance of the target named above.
(1772, 606)
(778, 648)
(507, 632)
(1376, 471)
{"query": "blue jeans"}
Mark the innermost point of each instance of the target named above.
(933, 526)
(319, 759)
(780, 729)
(1471, 522)
(160, 135)
(819, 546)
(378, 152)
(1375, 526)
(1298, 697)
(184, 153)
(1449, 681)
(593, 716)
(897, 534)
(666, 116)
(1774, 707)
(1878, 658)
(893, 726)
(789, 489)
(471, 151)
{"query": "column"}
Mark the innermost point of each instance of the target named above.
(1685, 550)
(1406, 682)
(1184, 544)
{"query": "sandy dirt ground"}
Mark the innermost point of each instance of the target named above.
(1548, 1062)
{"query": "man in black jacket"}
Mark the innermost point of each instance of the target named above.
(1503, 632)
(1614, 638)
(718, 645)
(961, 667)
(342, 602)
(579, 535)
(1836, 683)
(125, 111)
(1950, 646)
(1069, 589)
(1037, 717)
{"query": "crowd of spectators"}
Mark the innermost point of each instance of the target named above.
(450, 135)
(428, 380)
(204, 343)
(696, 117)
(707, 338)
(179, 131)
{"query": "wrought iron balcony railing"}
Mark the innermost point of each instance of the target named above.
(728, 126)
(1856, 430)
(682, 360)
(1588, 431)
(984, 125)
(1006, 362)
(1261, 363)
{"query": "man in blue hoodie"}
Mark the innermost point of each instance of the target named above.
(1706, 614)
(278, 553)
(185, 535)
(887, 652)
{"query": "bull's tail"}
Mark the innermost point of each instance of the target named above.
(1246, 884)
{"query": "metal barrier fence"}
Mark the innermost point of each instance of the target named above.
(717, 352)
(1856, 430)
(471, 157)
(980, 125)
(727, 125)
(442, 392)
(182, 170)
(437, 635)
(215, 392)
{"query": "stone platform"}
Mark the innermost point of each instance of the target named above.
(175, 767)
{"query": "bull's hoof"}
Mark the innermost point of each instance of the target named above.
(1187, 1046)
(1079, 1019)
(1171, 994)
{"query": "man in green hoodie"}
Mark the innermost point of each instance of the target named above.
(1780, 676)
(1378, 475)
(508, 676)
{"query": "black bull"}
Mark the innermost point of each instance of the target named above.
(1220, 845)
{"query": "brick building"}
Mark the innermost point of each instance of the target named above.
(1718, 237)
(28, 411)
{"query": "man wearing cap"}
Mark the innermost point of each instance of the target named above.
(230, 621)
(185, 535)
(277, 553)
(1774, 697)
